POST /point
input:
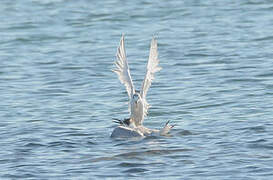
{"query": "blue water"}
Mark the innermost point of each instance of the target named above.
(58, 95)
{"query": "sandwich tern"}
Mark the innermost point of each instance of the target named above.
(138, 105)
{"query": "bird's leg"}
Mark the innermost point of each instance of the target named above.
(166, 128)
(167, 124)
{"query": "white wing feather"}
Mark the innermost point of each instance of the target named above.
(152, 68)
(122, 69)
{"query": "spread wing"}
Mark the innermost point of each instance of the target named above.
(152, 68)
(122, 69)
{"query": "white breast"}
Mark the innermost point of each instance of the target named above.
(137, 112)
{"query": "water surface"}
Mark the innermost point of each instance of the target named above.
(58, 94)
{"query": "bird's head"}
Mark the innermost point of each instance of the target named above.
(136, 97)
(129, 122)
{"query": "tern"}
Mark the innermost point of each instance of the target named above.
(138, 105)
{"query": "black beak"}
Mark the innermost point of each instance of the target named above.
(117, 121)
(122, 122)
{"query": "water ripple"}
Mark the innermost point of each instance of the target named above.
(58, 94)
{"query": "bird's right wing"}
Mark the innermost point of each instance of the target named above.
(152, 68)
(122, 69)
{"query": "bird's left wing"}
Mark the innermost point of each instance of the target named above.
(152, 68)
(122, 69)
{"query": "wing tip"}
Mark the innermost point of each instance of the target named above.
(154, 38)
(154, 43)
(122, 37)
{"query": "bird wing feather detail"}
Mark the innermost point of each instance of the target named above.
(152, 68)
(122, 69)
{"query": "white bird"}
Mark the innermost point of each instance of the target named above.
(138, 105)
